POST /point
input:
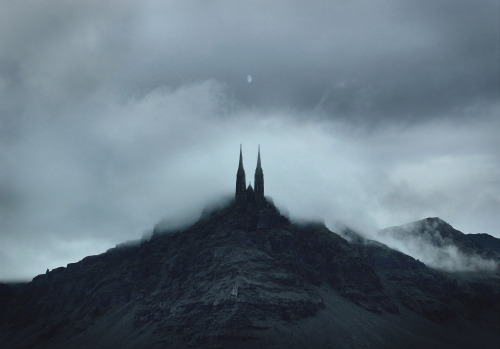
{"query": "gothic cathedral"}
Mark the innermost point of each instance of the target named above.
(248, 195)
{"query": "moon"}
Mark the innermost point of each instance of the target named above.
(249, 78)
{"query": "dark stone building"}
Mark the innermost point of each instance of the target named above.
(248, 195)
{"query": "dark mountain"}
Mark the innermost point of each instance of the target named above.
(245, 276)
(446, 245)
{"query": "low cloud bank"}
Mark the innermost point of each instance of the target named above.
(438, 245)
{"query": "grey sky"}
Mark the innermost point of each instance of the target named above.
(115, 114)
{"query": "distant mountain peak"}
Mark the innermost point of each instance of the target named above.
(441, 246)
(435, 219)
(429, 223)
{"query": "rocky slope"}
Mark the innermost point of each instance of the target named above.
(247, 277)
(488, 243)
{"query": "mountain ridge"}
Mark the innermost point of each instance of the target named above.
(481, 252)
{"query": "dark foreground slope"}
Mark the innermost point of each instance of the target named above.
(244, 277)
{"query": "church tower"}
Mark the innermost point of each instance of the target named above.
(259, 182)
(250, 196)
(241, 182)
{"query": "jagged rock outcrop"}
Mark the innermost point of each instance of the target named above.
(243, 276)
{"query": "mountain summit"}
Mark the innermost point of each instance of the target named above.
(245, 276)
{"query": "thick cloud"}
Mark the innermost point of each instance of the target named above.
(114, 115)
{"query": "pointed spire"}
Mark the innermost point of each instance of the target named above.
(240, 166)
(240, 181)
(259, 182)
(258, 159)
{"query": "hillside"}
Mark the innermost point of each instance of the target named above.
(248, 277)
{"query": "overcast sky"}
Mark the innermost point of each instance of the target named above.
(117, 114)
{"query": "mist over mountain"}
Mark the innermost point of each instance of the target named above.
(439, 245)
(245, 276)
(116, 115)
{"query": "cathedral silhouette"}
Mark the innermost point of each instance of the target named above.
(248, 195)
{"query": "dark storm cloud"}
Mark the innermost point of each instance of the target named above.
(353, 59)
(114, 115)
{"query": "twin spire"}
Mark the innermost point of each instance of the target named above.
(248, 195)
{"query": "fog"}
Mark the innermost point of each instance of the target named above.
(115, 116)
(427, 243)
